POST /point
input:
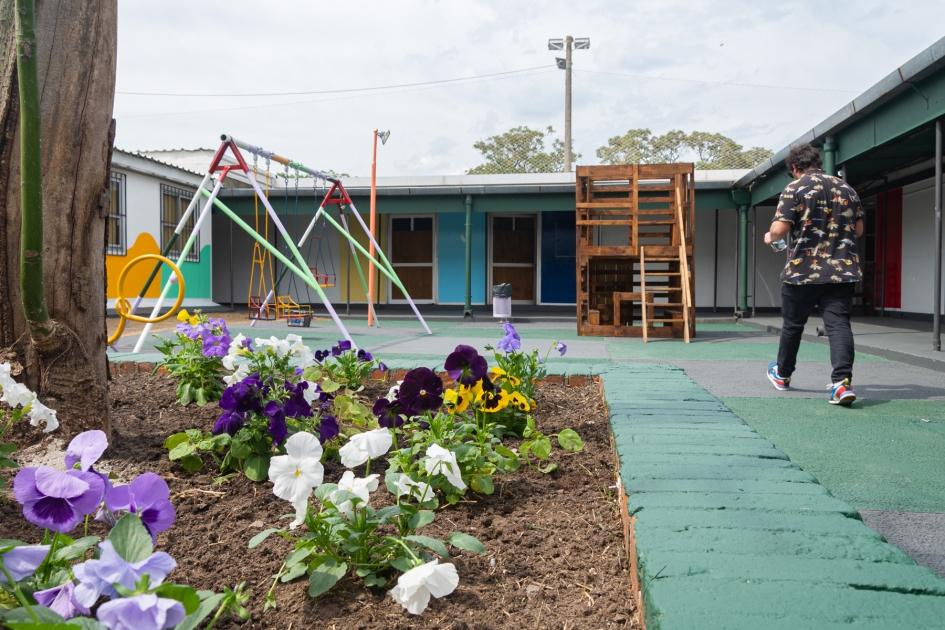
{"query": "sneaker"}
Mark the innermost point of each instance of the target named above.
(780, 383)
(842, 393)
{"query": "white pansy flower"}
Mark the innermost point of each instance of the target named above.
(418, 490)
(360, 487)
(295, 474)
(242, 371)
(235, 354)
(364, 446)
(5, 377)
(442, 461)
(415, 587)
(280, 346)
(17, 394)
(393, 391)
(41, 413)
(311, 392)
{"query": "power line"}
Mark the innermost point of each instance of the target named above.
(650, 77)
(339, 90)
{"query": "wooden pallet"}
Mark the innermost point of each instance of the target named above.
(634, 232)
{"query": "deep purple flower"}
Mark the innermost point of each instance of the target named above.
(295, 406)
(321, 355)
(421, 390)
(216, 346)
(61, 600)
(243, 396)
(388, 413)
(328, 428)
(141, 612)
(381, 366)
(509, 343)
(229, 422)
(465, 365)
(343, 346)
(247, 343)
(364, 355)
(278, 428)
(21, 562)
(55, 499)
(98, 577)
(298, 371)
(561, 347)
(86, 448)
(147, 496)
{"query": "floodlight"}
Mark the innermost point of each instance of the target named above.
(556, 44)
(383, 135)
(582, 43)
(562, 63)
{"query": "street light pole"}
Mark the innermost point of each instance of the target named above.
(383, 135)
(568, 44)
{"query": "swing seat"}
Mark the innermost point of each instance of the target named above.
(287, 307)
(324, 280)
(257, 310)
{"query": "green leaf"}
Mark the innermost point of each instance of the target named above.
(7, 447)
(181, 450)
(466, 542)
(481, 484)
(239, 449)
(174, 439)
(570, 440)
(372, 580)
(207, 606)
(550, 468)
(541, 447)
(186, 595)
(420, 519)
(298, 556)
(328, 386)
(325, 576)
(183, 394)
(75, 550)
(201, 397)
(191, 463)
(257, 540)
(6, 462)
(434, 545)
(257, 467)
(131, 539)
(402, 563)
(293, 572)
(84, 623)
(387, 513)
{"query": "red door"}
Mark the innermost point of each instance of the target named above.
(887, 289)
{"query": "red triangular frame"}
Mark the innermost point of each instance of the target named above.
(215, 163)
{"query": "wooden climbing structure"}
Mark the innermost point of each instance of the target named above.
(635, 229)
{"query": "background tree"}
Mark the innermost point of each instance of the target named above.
(521, 150)
(75, 53)
(708, 150)
(633, 147)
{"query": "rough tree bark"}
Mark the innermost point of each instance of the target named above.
(76, 49)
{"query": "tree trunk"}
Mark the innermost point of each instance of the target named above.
(76, 46)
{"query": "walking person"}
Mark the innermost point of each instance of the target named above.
(823, 216)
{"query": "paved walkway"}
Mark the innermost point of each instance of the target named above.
(752, 523)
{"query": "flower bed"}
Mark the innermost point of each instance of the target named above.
(553, 541)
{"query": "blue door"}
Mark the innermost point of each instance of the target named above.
(557, 258)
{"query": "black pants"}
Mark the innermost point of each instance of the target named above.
(835, 301)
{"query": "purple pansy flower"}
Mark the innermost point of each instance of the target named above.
(21, 562)
(147, 496)
(509, 330)
(364, 355)
(229, 422)
(509, 343)
(328, 428)
(421, 390)
(247, 343)
(321, 355)
(278, 428)
(61, 600)
(86, 448)
(216, 346)
(97, 577)
(295, 406)
(388, 413)
(381, 366)
(465, 365)
(55, 499)
(561, 347)
(243, 396)
(343, 346)
(141, 612)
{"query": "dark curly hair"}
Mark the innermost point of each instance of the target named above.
(803, 157)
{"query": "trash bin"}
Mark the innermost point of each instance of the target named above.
(502, 300)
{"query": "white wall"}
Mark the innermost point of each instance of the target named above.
(918, 247)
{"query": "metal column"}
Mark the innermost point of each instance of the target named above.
(743, 259)
(467, 307)
(937, 273)
(830, 156)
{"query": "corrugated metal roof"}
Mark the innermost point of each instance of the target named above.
(142, 156)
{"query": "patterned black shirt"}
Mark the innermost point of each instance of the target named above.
(823, 211)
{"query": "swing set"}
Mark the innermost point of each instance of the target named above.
(262, 292)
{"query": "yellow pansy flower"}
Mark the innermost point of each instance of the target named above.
(457, 401)
(495, 401)
(498, 374)
(183, 315)
(519, 401)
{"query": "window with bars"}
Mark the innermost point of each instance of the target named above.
(116, 236)
(174, 202)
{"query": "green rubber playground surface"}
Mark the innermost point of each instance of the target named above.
(718, 350)
(877, 455)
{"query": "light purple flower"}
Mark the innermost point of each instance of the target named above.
(86, 449)
(509, 330)
(61, 600)
(21, 562)
(141, 612)
(97, 577)
(509, 343)
(148, 497)
(55, 499)
(561, 347)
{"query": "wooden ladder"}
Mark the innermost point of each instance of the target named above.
(683, 291)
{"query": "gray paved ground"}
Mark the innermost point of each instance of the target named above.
(919, 534)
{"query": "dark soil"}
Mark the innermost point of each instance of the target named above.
(555, 543)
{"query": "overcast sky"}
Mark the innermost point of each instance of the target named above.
(760, 72)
